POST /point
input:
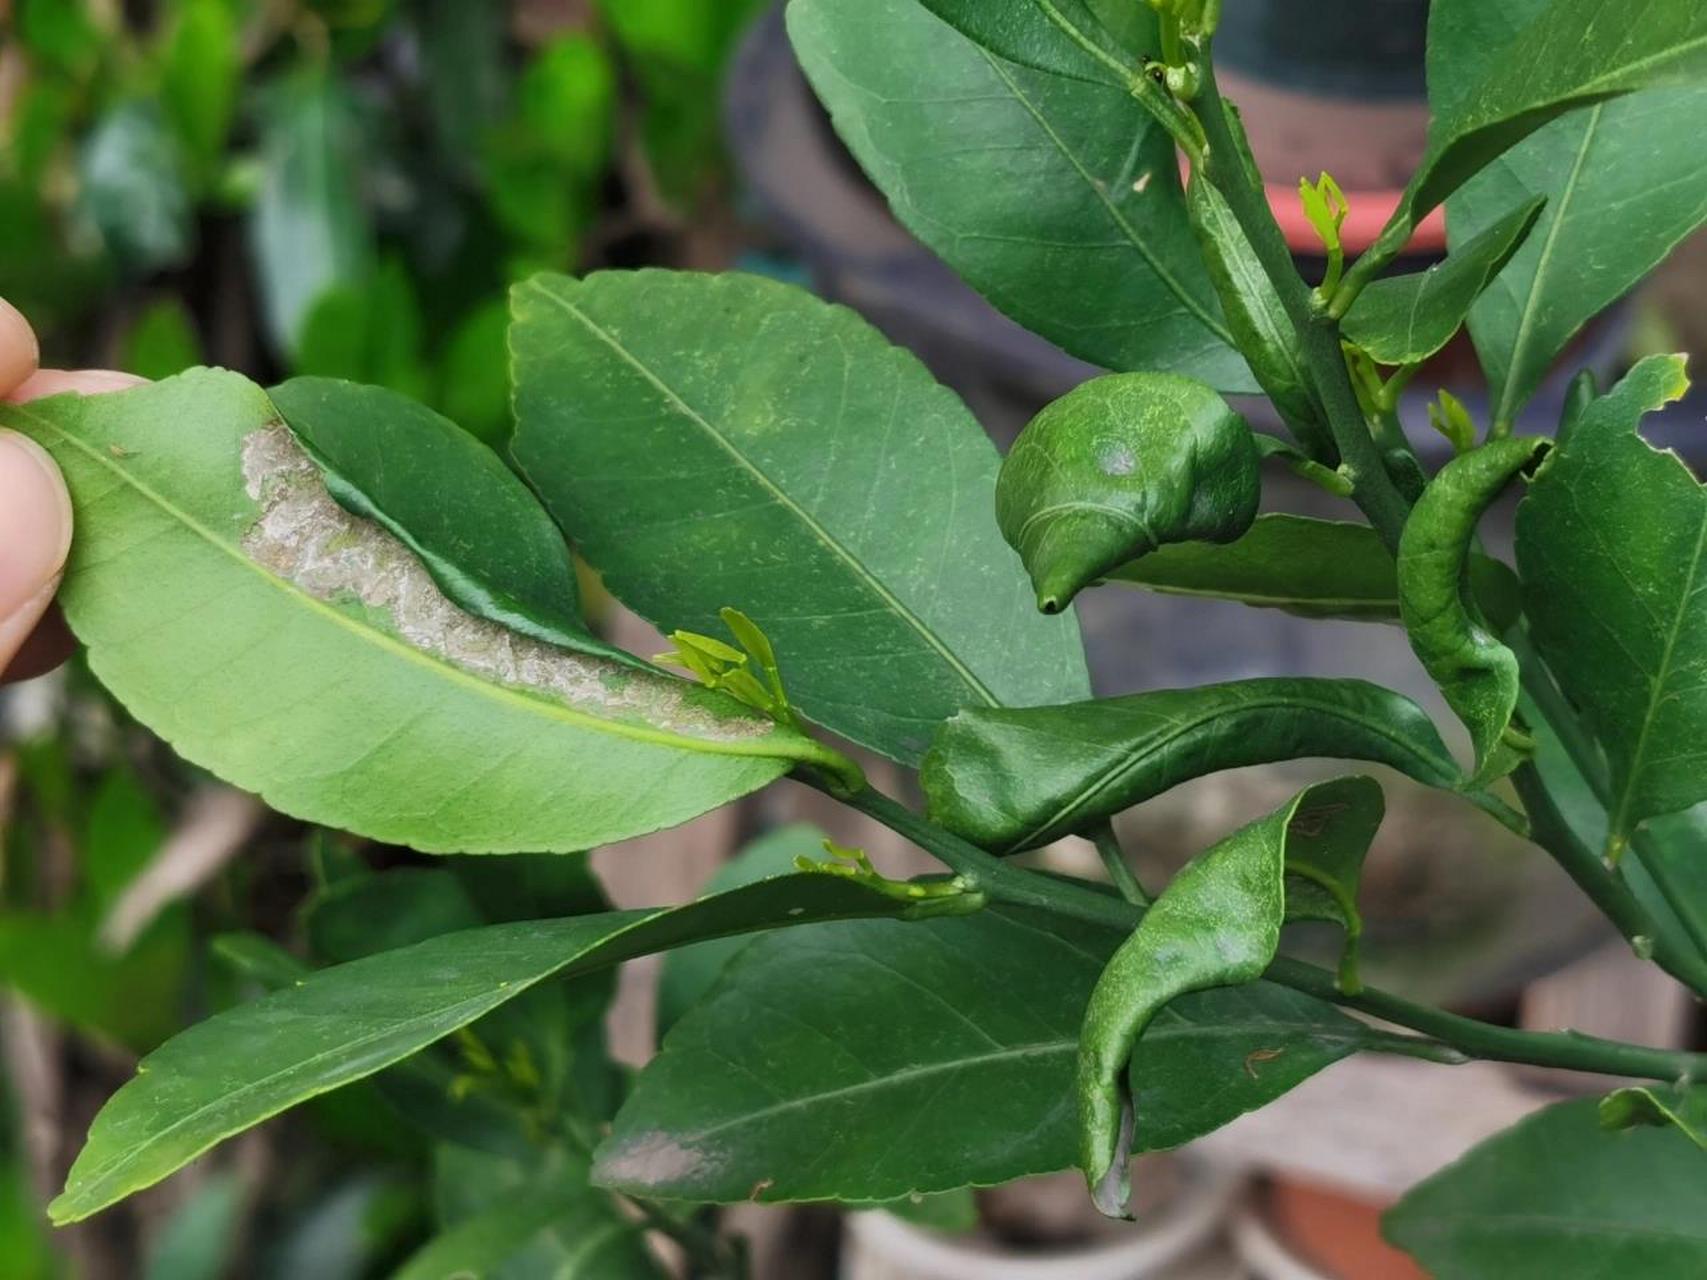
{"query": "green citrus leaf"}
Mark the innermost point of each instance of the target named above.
(872, 1060)
(1117, 467)
(1475, 671)
(305, 654)
(1055, 197)
(732, 441)
(1311, 568)
(1404, 320)
(1557, 1195)
(1612, 545)
(492, 549)
(1013, 779)
(250, 1063)
(1217, 924)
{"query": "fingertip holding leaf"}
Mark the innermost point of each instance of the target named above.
(1476, 672)
(307, 654)
(1118, 467)
(1217, 924)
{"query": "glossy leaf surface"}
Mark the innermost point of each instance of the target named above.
(1081, 38)
(482, 535)
(252, 1062)
(731, 441)
(1012, 779)
(1217, 924)
(1573, 53)
(1404, 320)
(873, 1060)
(1256, 317)
(1557, 1195)
(302, 653)
(1117, 467)
(1055, 197)
(1624, 185)
(1476, 672)
(1612, 543)
(1304, 566)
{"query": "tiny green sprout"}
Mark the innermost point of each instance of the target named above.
(1326, 207)
(1449, 417)
(925, 898)
(722, 666)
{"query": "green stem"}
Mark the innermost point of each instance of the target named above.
(1003, 882)
(1114, 862)
(1375, 492)
(1318, 333)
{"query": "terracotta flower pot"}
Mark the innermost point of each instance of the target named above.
(1299, 1230)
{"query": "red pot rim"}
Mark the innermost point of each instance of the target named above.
(1368, 214)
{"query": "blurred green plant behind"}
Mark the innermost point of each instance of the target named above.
(337, 187)
(342, 187)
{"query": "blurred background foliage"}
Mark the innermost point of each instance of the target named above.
(339, 187)
(344, 187)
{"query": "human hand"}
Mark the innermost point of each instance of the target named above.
(35, 509)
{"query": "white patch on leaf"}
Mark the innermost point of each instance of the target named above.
(306, 538)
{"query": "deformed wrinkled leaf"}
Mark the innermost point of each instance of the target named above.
(1055, 197)
(1556, 1195)
(304, 653)
(341, 1024)
(483, 536)
(1012, 779)
(1685, 1108)
(1308, 567)
(1612, 544)
(1217, 924)
(1476, 672)
(871, 1060)
(1117, 467)
(1404, 320)
(729, 441)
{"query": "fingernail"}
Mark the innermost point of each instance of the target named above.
(35, 527)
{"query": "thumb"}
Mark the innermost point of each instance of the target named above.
(35, 536)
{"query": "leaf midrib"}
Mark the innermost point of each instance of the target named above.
(1335, 1036)
(1100, 190)
(1657, 690)
(498, 692)
(864, 575)
(1531, 308)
